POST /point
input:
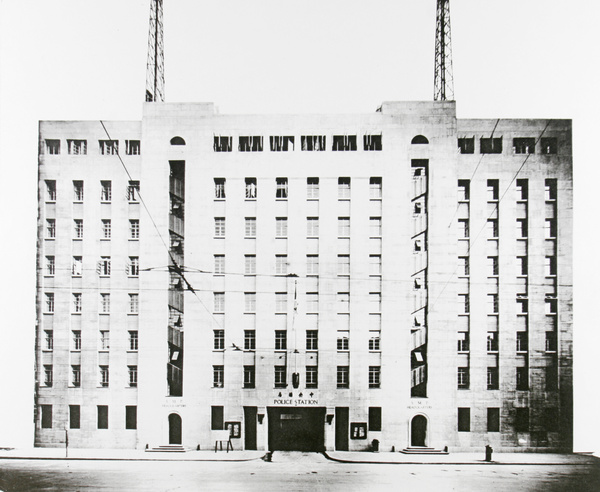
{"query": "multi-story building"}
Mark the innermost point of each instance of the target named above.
(306, 282)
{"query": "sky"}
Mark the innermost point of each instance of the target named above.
(86, 60)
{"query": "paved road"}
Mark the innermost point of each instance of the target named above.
(291, 472)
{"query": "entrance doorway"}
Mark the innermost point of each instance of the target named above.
(341, 428)
(296, 429)
(174, 429)
(250, 427)
(418, 431)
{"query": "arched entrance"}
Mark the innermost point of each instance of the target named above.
(174, 429)
(418, 431)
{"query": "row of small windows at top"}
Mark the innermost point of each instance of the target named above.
(287, 143)
(520, 145)
(80, 147)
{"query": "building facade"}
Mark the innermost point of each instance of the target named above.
(305, 282)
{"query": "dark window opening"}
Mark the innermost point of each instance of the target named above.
(490, 145)
(524, 145)
(281, 190)
(313, 142)
(493, 420)
(551, 187)
(549, 145)
(281, 143)
(102, 416)
(492, 378)
(372, 142)
(46, 416)
(222, 144)
(375, 419)
(419, 139)
(464, 420)
(464, 190)
(522, 420)
(344, 142)
(132, 147)
(249, 376)
(177, 141)
(52, 147)
(250, 144)
(463, 378)
(466, 145)
(130, 417)
(522, 189)
(551, 378)
(74, 417)
(216, 418)
(522, 379)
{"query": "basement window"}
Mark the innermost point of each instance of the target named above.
(313, 142)
(251, 144)
(490, 145)
(222, 144)
(281, 144)
(372, 142)
(549, 145)
(344, 142)
(466, 145)
(524, 145)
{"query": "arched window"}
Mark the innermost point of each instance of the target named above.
(177, 141)
(419, 139)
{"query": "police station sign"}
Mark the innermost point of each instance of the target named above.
(293, 399)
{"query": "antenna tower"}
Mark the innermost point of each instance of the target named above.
(443, 80)
(155, 67)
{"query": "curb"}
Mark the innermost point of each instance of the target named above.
(62, 458)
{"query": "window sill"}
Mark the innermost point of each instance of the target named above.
(463, 352)
(75, 350)
(103, 350)
(219, 199)
(132, 351)
(47, 350)
(47, 312)
(312, 199)
(49, 275)
(131, 276)
(378, 199)
(219, 237)
(77, 239)
(105, 201)
(105, 239)
(78, 313)
(50, 238)
(50, 201)
(133, 238)
(133, 201)
(133, 314)
(281, 199)
(250, 199)
(104, 314)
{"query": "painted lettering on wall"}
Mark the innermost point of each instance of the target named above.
(295, 402)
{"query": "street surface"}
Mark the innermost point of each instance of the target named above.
(290, 472)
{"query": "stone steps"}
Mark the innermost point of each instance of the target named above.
(167, 448)
(422, 450)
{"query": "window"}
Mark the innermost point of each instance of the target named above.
(551, 342)
(312, 264)
(549, 145)
(218, 376)
(104, 376)
(492, 228)
(132, 371)
(492, 266)
(522, 379)
(312, 226)
(105, 191)
(551, 306)
(78, 225)
(280, 340)
(280, 379)
(281, 143)
(490, 145)
(74, 417)
(551, 378)
(463, 228)
(134, 266)
(48, 339)
(250, 144)
(280, 302)
(464, 190)
(249, 227)
(343, 376)
(219, 188)
(522, 228)
(418, 245)
(77, 302)
(492, 378)
(281, 226)
(522, 189)
(219, 227)
(463, 266)
(219, 302)
(522, 265)
(312, 302)
(522, 305)
(222, 144)
(46, 416)
(550, 266)
(134, 303)
(280, 264)
(466, 145)
(133, 340)
(375, 265)
(550, 228)
(343, 301)
(492, 303)
(374, 302)
(372, 142)
(492, 341)
(312, 340)
(374, 341)
(463, 304)
(313, 142)
(344, 142)
(177, 141)
(343, 265)
(77, 147)
(343, 226)
(522, 420)
(249, 376)
(50, 190)
(251, 188)
(109, 147)
(106, 229)
(419, 139)
(76, 339)
(312, 188)
(463, 341)
(522, 341)
(219, 264)
(50, 302)
(312, 377)
(343, 340)
(492, 190)
(50, 228)
(219, 339)
(48, 379)
(134, 229)
(130, 417)
(375, 188)
(463, 378)
(102, 416)
(281, 190)
(524, 145)
(375, 226)
(132, 147)
(375, 419)
(344, 188)
(464, 420)
(78, 191)
(104, 339)
(52, 147)
(250, 265)
(216, 418)
(551, 189)
(50, 265)
(249, 302)
(249, 339)
(105, 303)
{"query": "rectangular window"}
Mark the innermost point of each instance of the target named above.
(343, 226)
(493, 420)
(522, 379)
(46, 416)
(551, 189)
(249, 339)
(551, 306)
(374, 302)
(50, 190)
(133, 340)
(492, 303)
(76, 302)
(344, 188)
(281, 187)
(524, 145)
(49, 302)
(464, 420)
(219, 339)
(522, 305)
(522, 266)
(312, 226)
(343, 265)
(251, 188)
(463, 378)
(102, 416)
(343, 302)
(52, 147)
(313, 142)
(50, 265)
(490, 145)
(219, 264)
(48, 339)
(492, 341)
(250, 144)
(344, 142)
(222, 144)
(550, 228)
(216, 418)
(78, 224)
(249, 302)
(463, 266)
(549, 145)
(78, 191)
(522, 420)
(281, 143)
(50, 228)
(104, 339)
(312, 265)
(106, 229)
(466, 145)
(77, 147)
(48, 376)
(372, 142)
(134, 229)
(132, 147)
(464, 190)
(281, 265)
(109, 147)
(550, 266)
(312, 188)
(522, 228)
(374, 376)
(132, 371)
(375, 188)
(105, 303)
(343, 376)
(522, 189)
(492, 378)
(463, 228)
(492, 266)
(375, 226)
(219, 302)
(280, 339)
(463, 341)
(280, 378)
(312, 302)
(343, 340)
(375, 265)
(312, 377)
(219, 227)
(463, 304)
(522, 341)
(133, 191)
(134, 266)
(218, 376)
(219, 188)
(249, 227)
(312, 340)
(130, 417)
(74, 417)
(280, 302)
(492, 190)
(492, 228)
(249, 376)
(250, 265)
(134, 303)
(106, 191)
(375, 419)
(281, 227)
(104, 376)
(551, 342)
(76, 339)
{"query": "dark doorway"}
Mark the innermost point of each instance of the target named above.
(296, 429)
(174, 429)
(249, 427)
(418, 431)
(341, 428)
